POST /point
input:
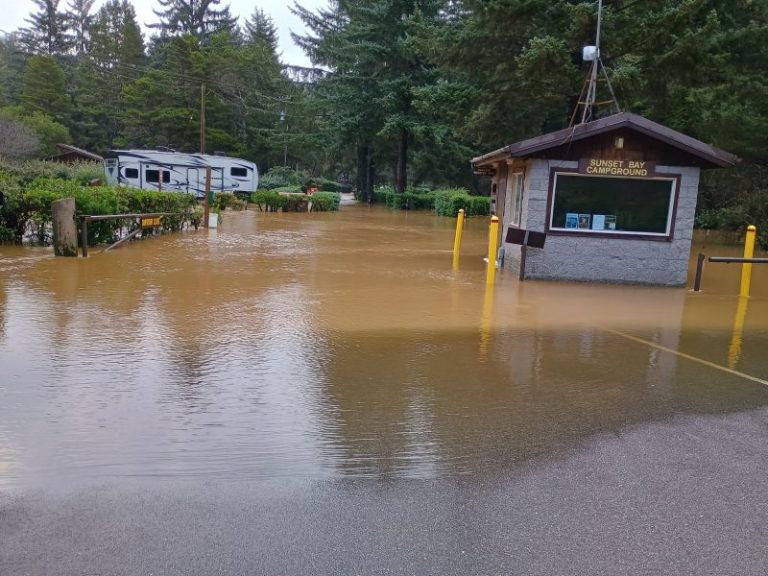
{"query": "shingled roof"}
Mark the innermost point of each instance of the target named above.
(533, 146)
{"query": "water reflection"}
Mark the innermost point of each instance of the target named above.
(344, 344)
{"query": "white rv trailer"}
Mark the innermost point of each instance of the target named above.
(167, 170)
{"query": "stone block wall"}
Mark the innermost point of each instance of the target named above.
(601, 258)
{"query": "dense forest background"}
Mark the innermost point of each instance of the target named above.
(401, 91)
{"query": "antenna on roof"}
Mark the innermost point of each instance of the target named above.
(588, 96)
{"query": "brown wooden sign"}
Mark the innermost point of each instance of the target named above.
(604, 167)
(525, 237)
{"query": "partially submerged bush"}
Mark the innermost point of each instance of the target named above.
(268, 200)
(325, 201)
(224, 200)
(25, 203)
(449, 202)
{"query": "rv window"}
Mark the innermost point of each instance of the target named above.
(153, 175)
(242, 172)
(131, 173)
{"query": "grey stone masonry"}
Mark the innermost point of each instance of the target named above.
(605, 258)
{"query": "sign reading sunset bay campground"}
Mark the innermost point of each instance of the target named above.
(601, 167)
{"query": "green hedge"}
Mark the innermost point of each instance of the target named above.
(285, 199)
(224, 200)
(408, 200)
(325, 201)
(268, 200)
(445, 202)
(449, 202)
(26, 172)
(30, 203)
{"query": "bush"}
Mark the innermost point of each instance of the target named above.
(412, 199)
(80, 172)
(329, 186)
(30, 203)
(296, 203)
(449, 202)
(268, 200)
(293, 189)
(224, 200)
(281, 176)
(325, 201)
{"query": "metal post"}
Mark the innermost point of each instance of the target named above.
(746, 269)
(493, 245)
(523, 256)
(207, 209)
(459, 229)
(84, 237)
(699, 271)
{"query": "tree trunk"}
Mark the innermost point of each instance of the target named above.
(401, 172)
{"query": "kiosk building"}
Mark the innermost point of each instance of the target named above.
(615, 197)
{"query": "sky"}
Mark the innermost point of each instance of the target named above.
(14, 12)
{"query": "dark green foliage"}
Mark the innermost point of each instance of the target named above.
(411, 199)
(329, 186)
(734, 198)
(278, 177)
(444, 202)
(449, 202)
(28, 202)
(44, 89)
(325, 201)
(48, 31)
(268, 200)
(224, 200)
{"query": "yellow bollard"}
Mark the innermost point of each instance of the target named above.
(749, 252)
(459, 228)
(493, 248)
(457, 239)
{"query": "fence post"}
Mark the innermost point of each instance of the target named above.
(64, 227)
(699, 271)
(84, 237)
(749, 252)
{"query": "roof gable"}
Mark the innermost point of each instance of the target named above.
(708, 156)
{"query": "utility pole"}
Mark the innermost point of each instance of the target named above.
(202, 118)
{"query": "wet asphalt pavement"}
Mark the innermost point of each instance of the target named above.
(685, 497)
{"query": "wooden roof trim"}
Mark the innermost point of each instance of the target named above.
(526, 148)
(69, 149)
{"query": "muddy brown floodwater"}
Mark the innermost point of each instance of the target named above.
(344, 345)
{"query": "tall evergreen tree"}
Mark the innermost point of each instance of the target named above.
(261, 28)
(375, 71)
(115, 59)
(79, 20)
(48, 33)
(45, 89)
(196, 17)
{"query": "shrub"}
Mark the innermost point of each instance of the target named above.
(294, 189)
(281, 176)
(296, 203)
(30, 203)
(268, 200)
(329, 186)
(224, 200)
(449, 202)
(325, 201)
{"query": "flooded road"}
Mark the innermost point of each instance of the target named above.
(301, 352)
